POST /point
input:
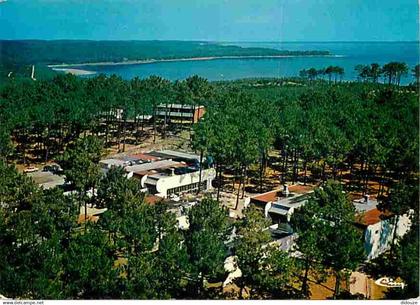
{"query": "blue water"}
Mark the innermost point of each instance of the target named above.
(350, 55)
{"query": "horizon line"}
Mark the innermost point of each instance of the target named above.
(220, 41)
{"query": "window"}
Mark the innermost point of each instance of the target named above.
(187, 188)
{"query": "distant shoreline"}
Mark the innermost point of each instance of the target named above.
(207, 58)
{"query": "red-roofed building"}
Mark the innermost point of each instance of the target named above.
(378, 227)
(264, 198)
(279, 205)
(378, 230)
(371, 217)
(301, 189)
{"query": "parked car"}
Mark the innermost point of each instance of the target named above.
(174, 197)
(31, 169)
(53, 168)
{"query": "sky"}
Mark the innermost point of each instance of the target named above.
(211, 20)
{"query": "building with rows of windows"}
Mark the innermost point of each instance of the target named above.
(166, 172)
(179, 114)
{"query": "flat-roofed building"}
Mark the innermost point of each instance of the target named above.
(277, 203)
(165, 172)
(166, 177)
(47, 180)
(109, 163)
(170, 183)
(180, 156)
(179, 114)
(139, 169)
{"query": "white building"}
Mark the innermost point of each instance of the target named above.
(279, 205)
(283, 208)
(166, 177)
(378, 228)
(166, 172)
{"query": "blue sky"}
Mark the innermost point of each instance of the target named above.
(215, 20)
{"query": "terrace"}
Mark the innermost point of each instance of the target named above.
(47, 180)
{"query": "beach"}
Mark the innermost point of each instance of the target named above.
(74, 71)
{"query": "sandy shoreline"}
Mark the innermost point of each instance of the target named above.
(152, 61)
(74, 71)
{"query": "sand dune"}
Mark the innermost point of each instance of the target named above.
(75, 71)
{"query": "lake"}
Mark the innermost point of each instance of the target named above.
(349, 54)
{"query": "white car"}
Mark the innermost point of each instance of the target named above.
(174, 197)
(31, 169)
